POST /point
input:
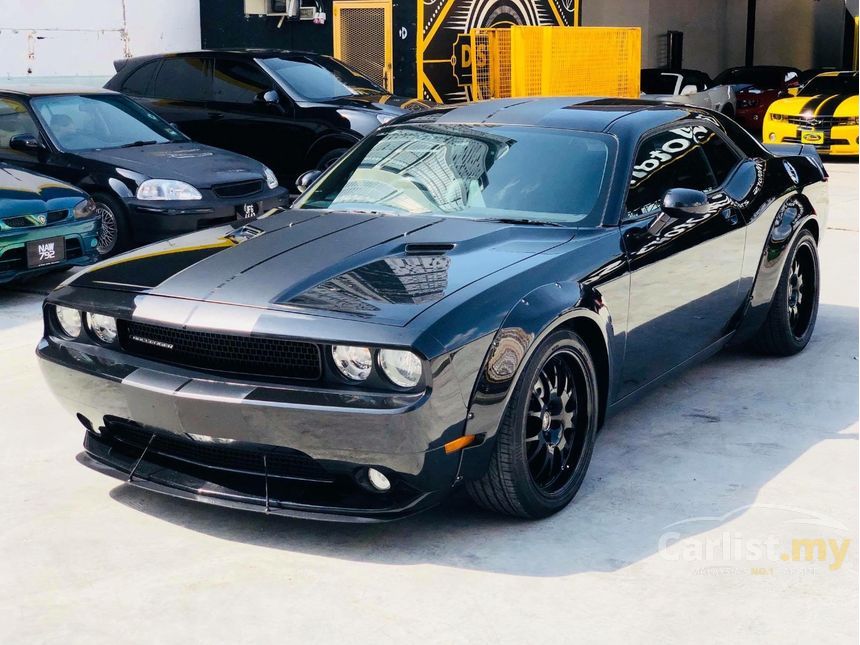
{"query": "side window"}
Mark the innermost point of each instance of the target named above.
(184, 79)
(237, 81)
(14, 119)
(139, 82)
(670, 159)
(722, 158)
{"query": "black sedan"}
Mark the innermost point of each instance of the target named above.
(148, 180)
(291, 110)
(462, 300)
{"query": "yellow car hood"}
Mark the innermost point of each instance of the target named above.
(819, 105)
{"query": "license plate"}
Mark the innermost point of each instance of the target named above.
(812, 136)
(42, 253)
(247, 211)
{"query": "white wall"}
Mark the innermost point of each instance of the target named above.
(51, 41)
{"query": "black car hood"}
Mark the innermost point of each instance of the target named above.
(23, 192)
(389, 103)
(194, 163)
(350, 265)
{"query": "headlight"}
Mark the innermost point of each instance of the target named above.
(402, 367)
(353, 362)
(104, 327)
(85, 209)
(271, 180)
(384, 118)
(70, 320)
(778, 117)
(167, 190)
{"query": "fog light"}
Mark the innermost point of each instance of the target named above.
(772, 136)
(378, 480)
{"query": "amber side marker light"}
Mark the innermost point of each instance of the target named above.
(459, 444)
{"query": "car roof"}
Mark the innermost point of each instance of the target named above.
(236, 51)
(572, 113)
(52, 90)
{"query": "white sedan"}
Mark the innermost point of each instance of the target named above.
(687, 86)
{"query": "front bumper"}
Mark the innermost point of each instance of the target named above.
(81, 241)
(838, 140)
(154, 221)
(203, 438)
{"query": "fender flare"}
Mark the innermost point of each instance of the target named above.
(795, 215)
(535, 316)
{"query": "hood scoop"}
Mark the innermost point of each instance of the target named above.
(429, 248)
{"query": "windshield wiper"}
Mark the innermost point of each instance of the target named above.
(138, 144)
(519, 220)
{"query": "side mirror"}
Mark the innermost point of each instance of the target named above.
(24, 143)
(687, 90)
(685, 202)
(305, 180)
(269, 97)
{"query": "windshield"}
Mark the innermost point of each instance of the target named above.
(478, 172)
(763, 77)
(653, 82)
(836, 84)
(318, 79)
(100, 121)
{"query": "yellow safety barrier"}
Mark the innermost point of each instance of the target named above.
(556, 61)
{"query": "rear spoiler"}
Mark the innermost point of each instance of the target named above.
(798, 150)
(793, 150)
(119, 63)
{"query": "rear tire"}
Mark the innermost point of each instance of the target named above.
(794, 308)
(114, 236)
(546, 438)
(329, 158)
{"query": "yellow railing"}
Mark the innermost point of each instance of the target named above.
(556, 61)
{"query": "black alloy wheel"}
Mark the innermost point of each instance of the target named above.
(545, 440)
(794, 308)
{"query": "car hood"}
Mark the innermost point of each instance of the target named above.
(819, 105)
(383, 268)
(389, 103)
(26, 193)
(195, 163)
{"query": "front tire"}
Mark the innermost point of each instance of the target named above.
(794, 309)
(546, 438)
(329, 158)
(114, 235)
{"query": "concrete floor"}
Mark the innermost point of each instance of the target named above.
(659, 546)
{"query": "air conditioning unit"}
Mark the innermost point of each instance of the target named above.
(295, 9)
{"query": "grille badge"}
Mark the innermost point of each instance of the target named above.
(150, 341)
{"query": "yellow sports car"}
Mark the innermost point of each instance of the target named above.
(824, 114)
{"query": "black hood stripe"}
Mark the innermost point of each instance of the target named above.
(812, 104)
(829, 106)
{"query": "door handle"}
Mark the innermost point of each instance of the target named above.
(216, 115)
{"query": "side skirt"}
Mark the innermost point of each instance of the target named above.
(701, 356)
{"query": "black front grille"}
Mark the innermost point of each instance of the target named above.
(18, 222)
(73, 248)
(14, 259)
(238, 189)
(223, 353)
(242, 458)
(57, 216)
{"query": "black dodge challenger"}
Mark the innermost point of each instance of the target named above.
(461, 300)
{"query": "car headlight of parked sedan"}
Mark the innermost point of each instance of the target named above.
(271, 180)
(85, 209)
(167, 190)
